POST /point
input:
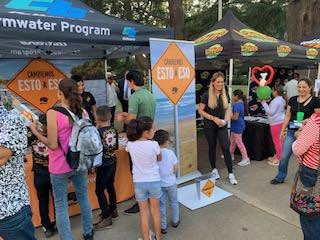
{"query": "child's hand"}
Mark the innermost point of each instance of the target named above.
(175, 168)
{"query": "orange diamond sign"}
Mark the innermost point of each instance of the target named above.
(208, 188)
(37, 83)
(173, 73)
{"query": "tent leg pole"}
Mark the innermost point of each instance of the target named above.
(318, 76)
(309, 72)
(249, 81)
(230, 77)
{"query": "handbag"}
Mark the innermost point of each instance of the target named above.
(305, 194)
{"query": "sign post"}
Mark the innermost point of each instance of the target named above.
(172, 71)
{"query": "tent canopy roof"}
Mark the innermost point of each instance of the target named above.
(68, 29)
(230, 38)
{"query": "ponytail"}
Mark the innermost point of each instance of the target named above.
(136, 127)
(69, 88)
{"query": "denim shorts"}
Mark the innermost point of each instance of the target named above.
(145, 190)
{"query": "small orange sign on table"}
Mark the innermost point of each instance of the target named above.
(173, 73)
(37, 83)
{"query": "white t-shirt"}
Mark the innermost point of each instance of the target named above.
(168, 160)
(144, 158)
(111, 95)
(291, 88)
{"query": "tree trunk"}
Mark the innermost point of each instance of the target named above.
(177, 18)
(302, 18)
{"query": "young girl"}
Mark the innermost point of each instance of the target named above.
(276, 113)
(146, 177)
(237, 128)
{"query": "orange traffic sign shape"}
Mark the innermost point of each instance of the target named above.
(173, 73)
(37, 83)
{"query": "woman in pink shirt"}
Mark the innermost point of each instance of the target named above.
(59, 131)
(307, 150)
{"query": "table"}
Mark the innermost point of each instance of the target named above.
(123, 186)
(258, 140)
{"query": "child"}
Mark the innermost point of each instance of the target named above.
(146, 178)
(106, 172)
(42, 182)
(168, 168)
(237, 128)
(276, 113)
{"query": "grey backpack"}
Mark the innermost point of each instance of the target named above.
(85, 146)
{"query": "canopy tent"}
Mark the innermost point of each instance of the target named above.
(312, 41)
(231, 39)
(68, 29)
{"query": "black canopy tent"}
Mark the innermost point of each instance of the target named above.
(68, 29)
(231, 39)
(312, 41)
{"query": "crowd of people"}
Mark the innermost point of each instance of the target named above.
(294, 123)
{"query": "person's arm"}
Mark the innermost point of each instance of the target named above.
(208, 116)
(285, 122)
(51, 141)
(235, 113)
(307, 137)
(116, 87)
(270, 109)
(94, 111)
(175, 168)
(227, 115)
(5, 155)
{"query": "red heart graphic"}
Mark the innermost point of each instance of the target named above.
(265, 68)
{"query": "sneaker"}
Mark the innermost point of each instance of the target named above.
(104, 224)
(134, 209)
(273, 163)
(48, 232)
(152, 235)
(244, 162)
(232, 179)
(115, 213)
(100, 218)
(164, 230)
(88, 236)
(275, 182)
(215, 174)
(175, 225)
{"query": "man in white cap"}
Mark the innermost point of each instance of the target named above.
(112, 90)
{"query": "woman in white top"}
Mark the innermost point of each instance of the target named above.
(276, 113)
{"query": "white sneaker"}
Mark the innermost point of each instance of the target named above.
(232, 179)
(215, 174)
(244, 162)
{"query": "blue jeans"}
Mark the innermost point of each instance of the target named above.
(18, 226)
(285, 155)
(310, 228)
(171, 192)
(60, 192)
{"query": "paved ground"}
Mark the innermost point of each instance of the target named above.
(257, 211)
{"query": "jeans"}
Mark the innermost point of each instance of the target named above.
(310, 227)
(285, 155)
(43, 186)
(18, 226)
(60, 193)
(212, 134)
(172, 194)
(105, 180)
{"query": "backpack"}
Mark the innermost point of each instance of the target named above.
(85, 145)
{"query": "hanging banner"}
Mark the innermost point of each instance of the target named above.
(173, 83)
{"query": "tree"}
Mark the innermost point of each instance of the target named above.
(302, 18)
(177, 18)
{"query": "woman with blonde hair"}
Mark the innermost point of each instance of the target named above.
(215, 110)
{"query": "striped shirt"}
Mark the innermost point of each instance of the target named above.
(307, 146)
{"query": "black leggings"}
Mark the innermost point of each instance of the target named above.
(212, 134)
